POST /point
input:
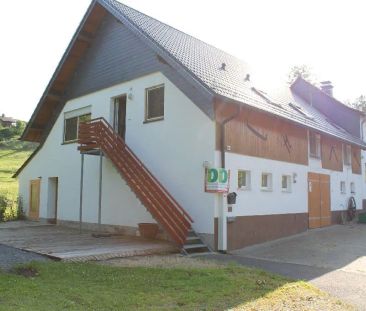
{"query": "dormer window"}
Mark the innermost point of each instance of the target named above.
(314, 145)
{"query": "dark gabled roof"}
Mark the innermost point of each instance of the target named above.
(204, 63)
(210, 69)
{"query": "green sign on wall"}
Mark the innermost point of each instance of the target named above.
(217, 180)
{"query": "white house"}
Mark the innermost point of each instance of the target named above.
(178, 107)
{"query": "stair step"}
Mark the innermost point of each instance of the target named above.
(193, 238)
(190, 246)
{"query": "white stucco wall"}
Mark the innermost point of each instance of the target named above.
(258, 202)
(174, 149)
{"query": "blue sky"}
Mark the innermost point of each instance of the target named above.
(272, 36)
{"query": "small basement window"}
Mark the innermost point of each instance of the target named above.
(71, 126)
(347, 154)
(266, 182)
(314, 145)
(154, 106)
(343, 187)
(243, 180)
(286, 183)
(353, 188)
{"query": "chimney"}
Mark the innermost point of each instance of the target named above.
(327, 87)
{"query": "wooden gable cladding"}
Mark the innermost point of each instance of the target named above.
(331, 153)
(260, 135)
(52, 99)
(356, 160)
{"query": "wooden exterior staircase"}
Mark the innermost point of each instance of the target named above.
(98, 135)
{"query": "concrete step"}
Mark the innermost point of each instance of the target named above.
(191, 246)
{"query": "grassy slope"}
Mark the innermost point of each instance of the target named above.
(62, 286)
(10, 161)
(13, 154)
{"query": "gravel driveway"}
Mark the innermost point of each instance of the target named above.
(10, 257)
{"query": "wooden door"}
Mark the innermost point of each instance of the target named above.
(325, 214)
(34, 196)
(119, 115)
(314, 200)
(319, 200)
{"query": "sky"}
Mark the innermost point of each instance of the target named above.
(271, 36)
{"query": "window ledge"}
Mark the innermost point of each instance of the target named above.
(266, 189)
(69, 142)
(286, 190)
(153, 120)
(243, 188)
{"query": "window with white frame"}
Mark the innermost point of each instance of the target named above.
(154, 105)
(286, 183)
(243, 179)
(353, 188)
(314, 145)
(266, 181)
(347, 153)
(72, 119)
(343, 187)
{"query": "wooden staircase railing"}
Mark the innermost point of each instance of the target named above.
(98, 134)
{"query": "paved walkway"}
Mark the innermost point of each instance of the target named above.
(68, 244)
(10, 257)
(333, 259)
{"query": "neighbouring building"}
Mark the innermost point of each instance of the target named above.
(137, 112)
(7, 121)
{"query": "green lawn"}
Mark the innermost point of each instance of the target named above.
(70, 286)
(12, 156)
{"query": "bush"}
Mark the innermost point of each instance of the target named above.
(10, 209)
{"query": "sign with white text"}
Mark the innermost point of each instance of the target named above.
(217, 180)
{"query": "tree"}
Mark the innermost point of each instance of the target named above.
(360, 103)
(302, 71)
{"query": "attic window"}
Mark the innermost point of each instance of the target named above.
(266, 97)
(301, 111)
(154, 106)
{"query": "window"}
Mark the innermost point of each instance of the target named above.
(353, 188)
(266, 182)
(243, 180)
(286, 183)
(314, 145)
(347, 154)
(343, 187)
(72, 126)
(154, 107)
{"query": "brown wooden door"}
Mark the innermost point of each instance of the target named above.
(119, 118)
(325, 214)
(34, 197)
(319, 200)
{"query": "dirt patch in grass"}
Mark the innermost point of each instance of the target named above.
(26, 271)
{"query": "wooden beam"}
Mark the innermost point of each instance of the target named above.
(54, 96)
(85, 37)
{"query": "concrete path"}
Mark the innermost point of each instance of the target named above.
(333, 259)
(10, 257)
(68, 244)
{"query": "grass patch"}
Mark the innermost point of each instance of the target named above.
(71, 286)
(12, 155)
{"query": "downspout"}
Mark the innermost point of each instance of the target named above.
(222, 217)
(222, 138)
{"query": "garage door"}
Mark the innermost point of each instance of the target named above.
(319, 200)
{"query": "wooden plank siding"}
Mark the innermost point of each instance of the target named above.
(356, 160)
(331, 153)
(260, 135)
